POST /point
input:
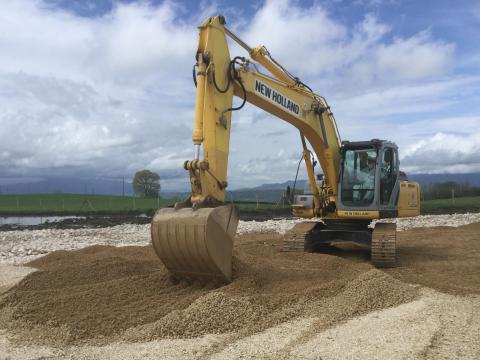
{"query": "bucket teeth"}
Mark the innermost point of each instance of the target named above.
(196, 244)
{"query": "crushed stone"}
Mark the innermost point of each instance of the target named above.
(104, 293)
(20, 247)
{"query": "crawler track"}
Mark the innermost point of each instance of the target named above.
(383, 245)
(294, 239)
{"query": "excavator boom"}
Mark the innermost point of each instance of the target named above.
(195, 239)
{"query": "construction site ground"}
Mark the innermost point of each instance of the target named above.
(103, 294)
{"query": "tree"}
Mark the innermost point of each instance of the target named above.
(146, 183)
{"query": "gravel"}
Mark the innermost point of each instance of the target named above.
(435, 326)
(309, 305)
(19, 247)
(452, 220)
(103, 293)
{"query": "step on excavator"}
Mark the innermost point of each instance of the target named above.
(361, 181)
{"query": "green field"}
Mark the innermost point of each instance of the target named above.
(83, 204)
(263, 208)
(77, 204)
(462, 204)
(437, 206)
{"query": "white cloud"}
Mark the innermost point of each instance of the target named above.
(299, 37)
(414, 58)
(138, 41)
(311, 43)
(444, 153)
(407, 98)
(111, 94)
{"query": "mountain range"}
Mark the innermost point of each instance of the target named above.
(271, 192)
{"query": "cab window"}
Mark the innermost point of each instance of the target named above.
(358, 177)
(388, 174)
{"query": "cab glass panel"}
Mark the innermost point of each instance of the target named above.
(358, 177)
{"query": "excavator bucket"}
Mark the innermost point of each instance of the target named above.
(196, 244)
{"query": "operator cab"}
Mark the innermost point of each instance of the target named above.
(369, 178)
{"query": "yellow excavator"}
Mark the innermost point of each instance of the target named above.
(361, 181)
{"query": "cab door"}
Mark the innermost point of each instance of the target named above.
(388, 183)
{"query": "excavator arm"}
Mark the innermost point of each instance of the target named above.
(195, 239)
(280, 94)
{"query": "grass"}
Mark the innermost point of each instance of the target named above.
(90, 204)
(463, 204)
(77, 204)
(263, 208)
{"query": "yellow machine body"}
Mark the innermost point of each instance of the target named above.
(409, 199)
(195, 239)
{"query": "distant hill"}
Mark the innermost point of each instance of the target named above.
(271, 192)
(278, 186)
(425, 179)
(103, 186)
(472, 179)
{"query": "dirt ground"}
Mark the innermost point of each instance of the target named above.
(120, 302)
(443, 258)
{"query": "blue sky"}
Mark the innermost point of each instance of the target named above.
(103, 88)
(453, 21)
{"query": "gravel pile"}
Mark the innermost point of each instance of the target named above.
(280, 226)
(105, 293)
(109, 302)
(19, 247)
(452, 220)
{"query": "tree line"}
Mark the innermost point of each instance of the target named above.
(146, 183)
(445, 190)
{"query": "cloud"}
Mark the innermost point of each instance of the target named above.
(360, 53)
(111, 94)
(50, 123)
(138, 41)
(444, 153)
(407, 98)
(294, 32)
(262, 169)
(85, 102)
(430, 58)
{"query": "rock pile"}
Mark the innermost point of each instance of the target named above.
(18, 247)
(105, 293)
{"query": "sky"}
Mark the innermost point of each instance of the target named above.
(103, 88)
